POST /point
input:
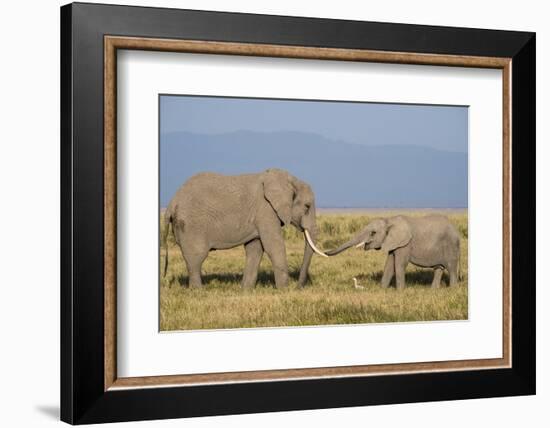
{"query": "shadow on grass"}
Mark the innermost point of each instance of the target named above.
(420, 277)
(265, 278)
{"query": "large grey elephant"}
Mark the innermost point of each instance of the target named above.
(215, 212)
(428, 241)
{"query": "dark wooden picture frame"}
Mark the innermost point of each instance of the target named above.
(90, 390)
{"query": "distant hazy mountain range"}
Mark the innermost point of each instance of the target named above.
(341, 174)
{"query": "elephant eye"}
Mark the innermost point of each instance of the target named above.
(372, 233)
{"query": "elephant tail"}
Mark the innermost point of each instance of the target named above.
(167, 224)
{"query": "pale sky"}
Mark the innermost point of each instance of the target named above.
(439, 127)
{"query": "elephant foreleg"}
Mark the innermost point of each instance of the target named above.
(438, 272)
(389, 270)
(401, 262)
(274, 246)
(254, 252)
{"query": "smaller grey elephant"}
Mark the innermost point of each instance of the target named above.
(429, 241)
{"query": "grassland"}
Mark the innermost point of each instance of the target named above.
(330, 298)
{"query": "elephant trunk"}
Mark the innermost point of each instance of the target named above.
(355, 241)
(308, 253)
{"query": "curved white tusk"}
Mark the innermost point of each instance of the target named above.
(360, 244)
(312, 245)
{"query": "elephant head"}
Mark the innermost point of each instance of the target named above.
(294, 203)
(381, 233)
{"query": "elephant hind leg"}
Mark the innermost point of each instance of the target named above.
(194, 262)
(438, 273)
(254, 253)
(453, 273)
(194, 253)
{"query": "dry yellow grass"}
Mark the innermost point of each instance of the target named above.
(330, 298)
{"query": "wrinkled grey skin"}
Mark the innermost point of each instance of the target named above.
(429, 241)
(215, 212)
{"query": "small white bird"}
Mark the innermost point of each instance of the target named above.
(357, 285)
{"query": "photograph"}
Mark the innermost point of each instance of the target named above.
(292, 212)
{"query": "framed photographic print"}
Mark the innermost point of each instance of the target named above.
(265, 213)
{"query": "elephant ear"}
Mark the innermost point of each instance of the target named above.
(398, 235)
(279, 192)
